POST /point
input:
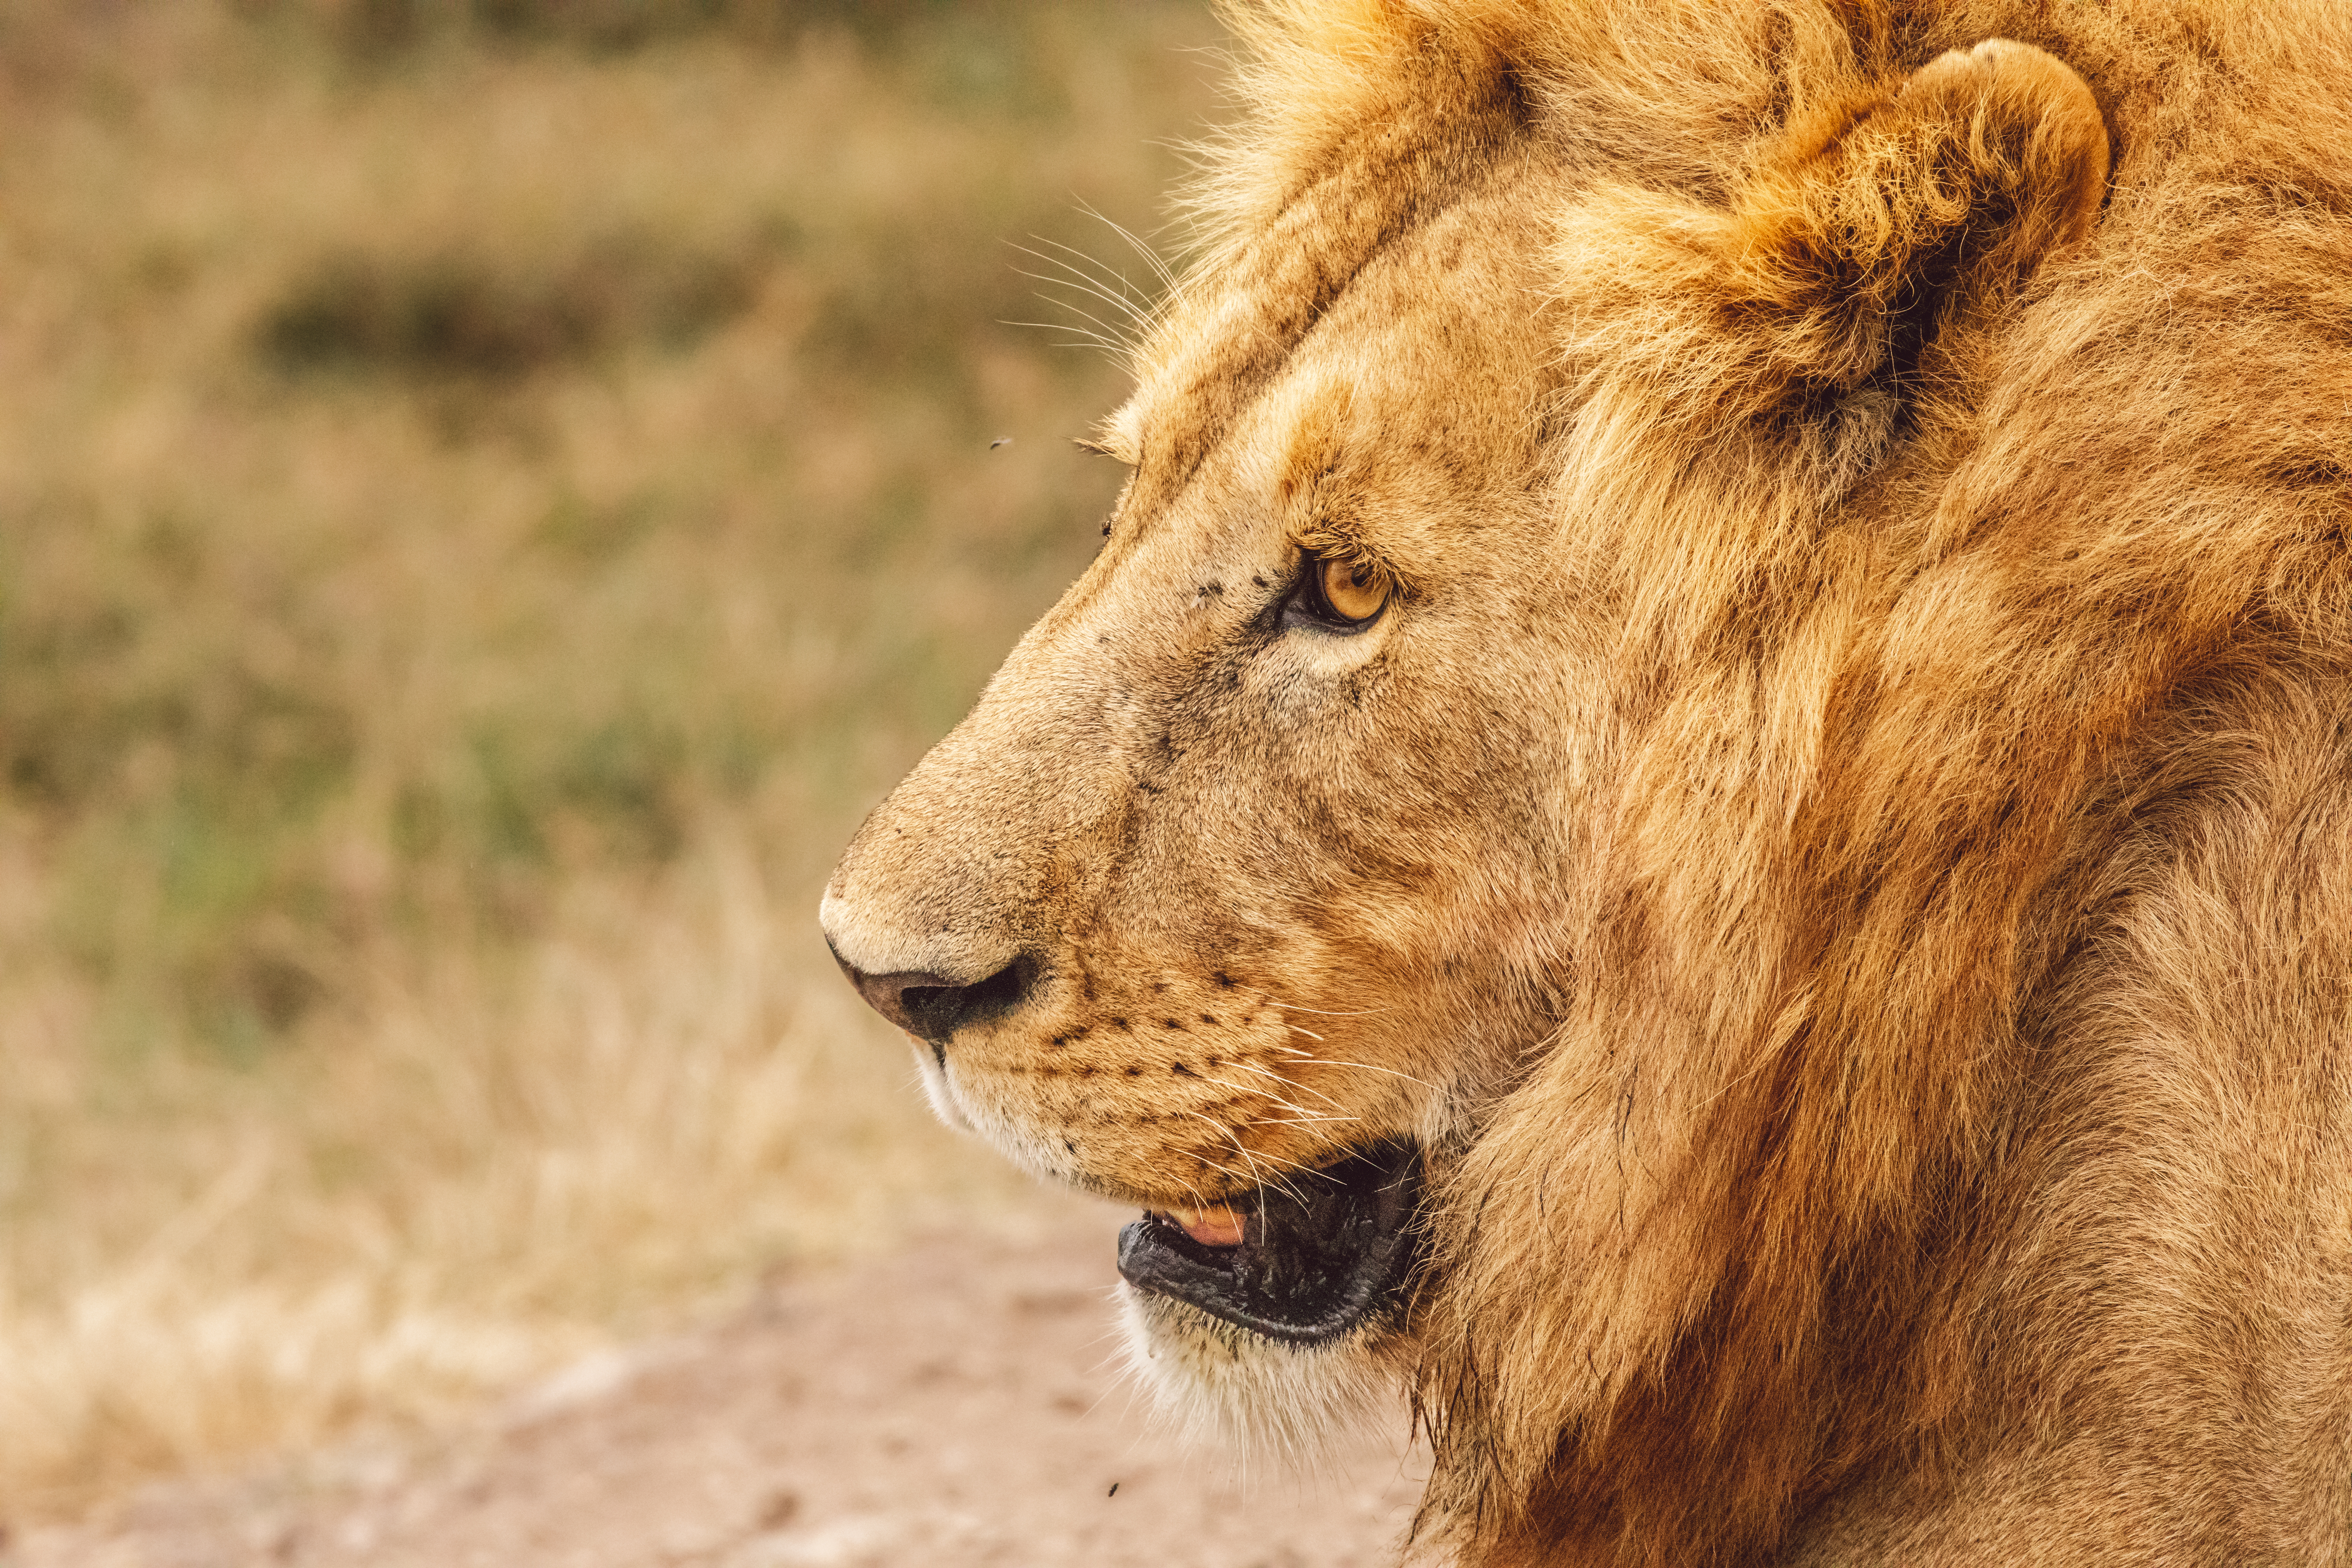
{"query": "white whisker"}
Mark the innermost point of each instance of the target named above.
(1159, 269)
(1111, 346)
(1367, 1066)
(1109, 332)
(1279, 1181)
(1259, 1093)
(1138, 312)
(1286, 1083)
(1123, 306)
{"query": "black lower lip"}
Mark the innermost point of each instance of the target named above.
(1320, 1255)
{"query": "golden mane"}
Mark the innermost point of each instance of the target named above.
(1881, 832)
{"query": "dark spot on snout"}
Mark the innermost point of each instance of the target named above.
(1183, 1071)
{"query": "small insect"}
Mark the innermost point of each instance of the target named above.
(1000, 441)
(1114, 1490)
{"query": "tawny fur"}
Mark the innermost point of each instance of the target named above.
(1839, 848)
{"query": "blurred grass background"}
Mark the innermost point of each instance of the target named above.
(491, 491)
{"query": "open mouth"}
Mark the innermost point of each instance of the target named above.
(1302, 1262)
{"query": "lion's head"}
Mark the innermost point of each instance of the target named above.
(1543, 850)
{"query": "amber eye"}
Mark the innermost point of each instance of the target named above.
(1334, 595)
(1351, 591)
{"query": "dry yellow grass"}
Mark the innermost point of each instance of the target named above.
(478, 519)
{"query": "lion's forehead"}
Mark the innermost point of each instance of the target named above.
(1455, 303)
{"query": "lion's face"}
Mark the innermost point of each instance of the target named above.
(1437, 861)
(1246, 862)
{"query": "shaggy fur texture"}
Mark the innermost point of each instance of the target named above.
(1839, 848)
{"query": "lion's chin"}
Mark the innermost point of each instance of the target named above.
(1268, 1324)
(1227, 1387)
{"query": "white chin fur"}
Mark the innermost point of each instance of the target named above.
(1223, 1386)
(936, 1091)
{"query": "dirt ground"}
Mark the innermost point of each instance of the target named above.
(955, 1403)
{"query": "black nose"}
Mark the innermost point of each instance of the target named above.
(933, 1006)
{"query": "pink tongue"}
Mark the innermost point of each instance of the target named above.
(1215, 1225)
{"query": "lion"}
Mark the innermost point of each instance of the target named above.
(1698, 820)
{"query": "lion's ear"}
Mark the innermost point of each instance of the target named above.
(1877, 228)
(1872, 225)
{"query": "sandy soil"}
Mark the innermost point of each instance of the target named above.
(953, 1405)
